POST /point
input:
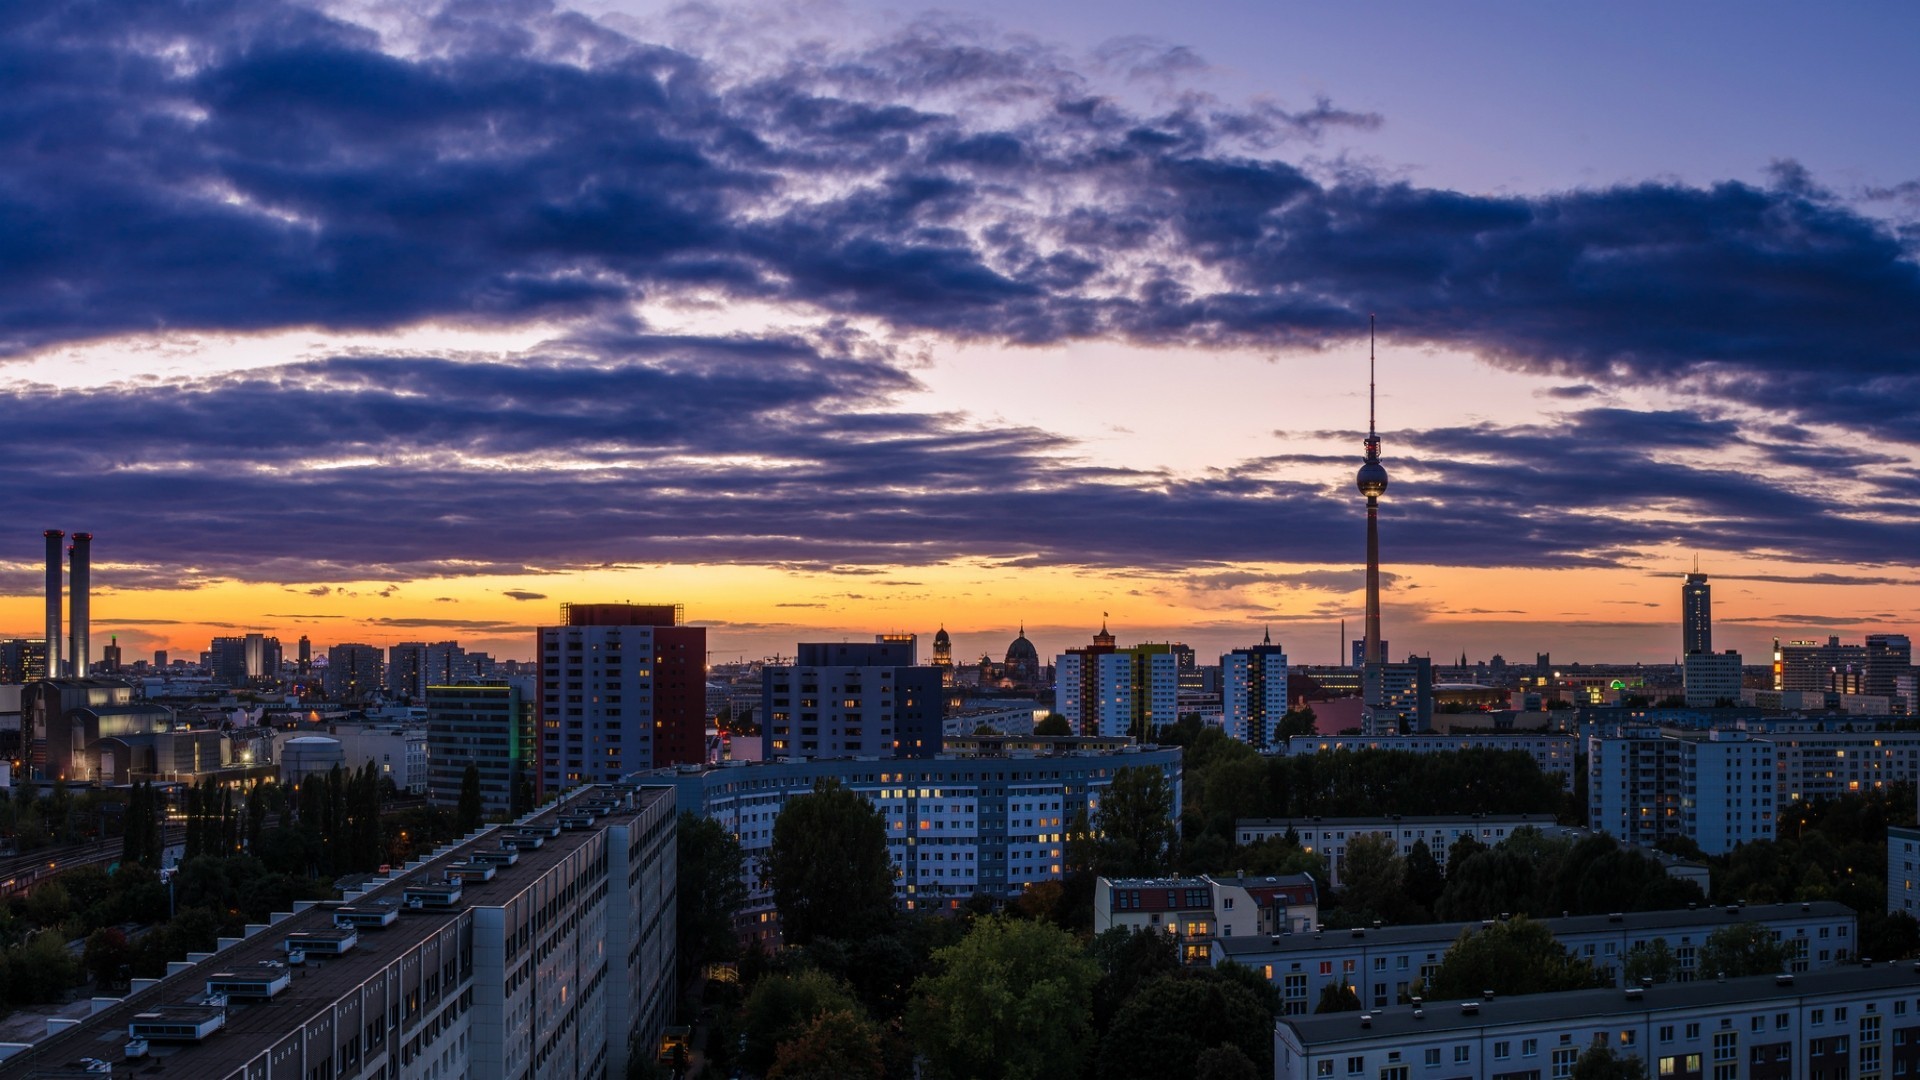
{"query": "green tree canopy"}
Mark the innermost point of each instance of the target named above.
(828, 866)
(1517, 956)
(1012, 999)
(1738, 950)
(1053, 724)
(1164, 1028)
(1650, 960)
(835, 1045)
(709, 867)
(1371, 877)
(1601, 1063)
(1135, 823)
(471, 809)
(782, 1007)
(1337, 997)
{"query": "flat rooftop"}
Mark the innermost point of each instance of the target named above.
(1443, 934)
(254, 1026)
(1592, 1007)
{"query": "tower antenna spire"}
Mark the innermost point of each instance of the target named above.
(1370, 430)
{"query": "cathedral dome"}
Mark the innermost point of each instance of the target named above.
(1022, 650)
(941, 640)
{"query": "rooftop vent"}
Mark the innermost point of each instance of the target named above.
(1470, 1008)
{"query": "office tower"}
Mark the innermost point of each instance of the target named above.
(305, 656)
(1253, 694)
(355, 673)
(1124, 693)
(262, 657)
(22, 660)
(1888, 656)
(489, 727)
(227, 660)
(412, 666)
(1830, 668)
(160, 658)
(846, 699)
(1711, 679)
(622, 688)
(1696, 614)
(1358, 652)
(110, 656)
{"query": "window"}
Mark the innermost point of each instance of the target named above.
(1356, 1065)
(1460, 1054)
(1563, 1063)
(1502, 1051)
(1529, 1047)
(1433, 1057)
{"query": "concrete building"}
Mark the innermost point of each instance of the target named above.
(852, 699)
(489, 727)
(1716, 788)
(1903, 869)
(989, 818)
(1696, 614)
(398, 750)
(69, 724)
(1399, 698)
(543, 949)
(1889, 656)
(1382, 964)
(1112, 692)
(355, 673)
(1328, 837)
(1253, 693)
(22, 660)
(1827, 666)
(1555, 754)
(622, 689)
(1712, 679)
(1842, 1022)
(309, 755)
(1197, 911)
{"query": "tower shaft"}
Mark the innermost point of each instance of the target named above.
(1371, 655)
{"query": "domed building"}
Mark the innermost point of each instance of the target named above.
(1023, 661)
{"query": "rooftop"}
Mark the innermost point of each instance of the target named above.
(1440, 934)
(1399, 1023)
(252, 1027)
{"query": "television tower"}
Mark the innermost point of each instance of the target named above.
(1372, 481)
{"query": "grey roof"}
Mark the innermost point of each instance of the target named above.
(1441, 934)
(1322, 1032)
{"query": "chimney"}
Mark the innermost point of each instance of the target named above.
(54, 536)
(80, 576)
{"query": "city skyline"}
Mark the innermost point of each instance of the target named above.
(956, 323)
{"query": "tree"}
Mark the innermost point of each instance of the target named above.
(709, 867)
(1337, 997)
(1225, 1062)
(1135, 823)
(780, 1009)
(828, 866)
(106, 957)
(834, 1045)
(1371, 875)
(1128, 959)
(1601, 1063)
(1517, 956)
(1053, 724)
(471, 809)
(1650, 960)
(1164, 1028)
(1012, 999)
(1297, 722)
(1739, 950)
(1423, 881)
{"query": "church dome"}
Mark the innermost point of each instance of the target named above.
(1022, 649)
(941, 640)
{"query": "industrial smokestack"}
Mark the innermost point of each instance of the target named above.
(54, 536)
(79, 577)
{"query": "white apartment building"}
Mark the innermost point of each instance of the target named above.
(398, 751)
(1821, 1025)
(1717, 788)
(1555, 754)
(1328, 837)
(1382, 964)
(1253, 694)
(1120, 693)
(1903, 870)
(542, 950)
(1195, 912)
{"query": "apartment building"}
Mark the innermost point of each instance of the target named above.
(1903, 869)
(988, 818)
(540, 949)
(1196, 911)
(1853, 1021)
(1717, 788)
(1381, 964)
(1328, 837)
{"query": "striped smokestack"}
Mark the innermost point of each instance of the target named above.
(80, 578)
(54, 536)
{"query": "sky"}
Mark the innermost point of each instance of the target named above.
(382, 320)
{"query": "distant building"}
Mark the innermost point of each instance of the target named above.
(1716, 788)
(1711, 679)
(1889, 656)
(22, 660)
(110, 656)
(849, 699)
(355, 673)
(398, 750)
(1108, 691)
(622, 689)
(1828, 667)
(1253, 693)
(1359, 651)
(1399, 698)
(1328, 837)
(1554, 753)
(1196, 911)
(1903, 869)
(489, 727)
(1696, 615)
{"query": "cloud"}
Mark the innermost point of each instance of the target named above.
(522, 594)
(1803, 620)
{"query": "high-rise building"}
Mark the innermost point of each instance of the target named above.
(110, 656)
(412, 666)
(305, 656)
(1399, 698)
(1253, 693)
(1359, 651)
(227, 660)
(160, 658)
(1830, 668)
(1711, 679)
(488, 726)
(1696, 614)
(846, 699)
(622, 688)
(1114, 692)
(262, 657)
(1889, 656)
(355, 673)
(1718, 791)
(22, 660)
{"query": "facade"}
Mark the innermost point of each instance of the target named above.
(1716, 788)
(1253, 693)
(553, 965)
(1399, 698)
(22, 660)
(989, 821)
(1382, 964)
(622, 689)
(1903, 870)
(398, 751)
(413, 666)
(1555, 754)
(1696, 615)
(1711, 678)
(354, 672)
(489, 727)
(1828, 666)
(1117, 693)
(1197, 911)
(1889, 656)
(1843, 1022)
(851, 699)
(86, 729)
(1328, 837)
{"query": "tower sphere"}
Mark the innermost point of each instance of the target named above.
(1372, 479)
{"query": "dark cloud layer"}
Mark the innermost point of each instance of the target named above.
(252, 164)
